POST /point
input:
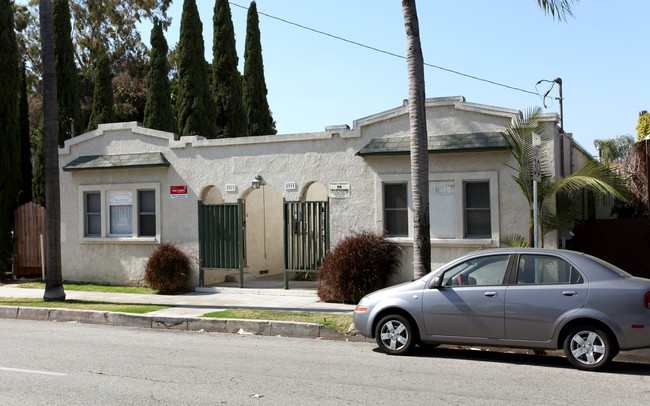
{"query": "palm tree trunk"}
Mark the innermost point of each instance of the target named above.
(419, 142)
(54, 286)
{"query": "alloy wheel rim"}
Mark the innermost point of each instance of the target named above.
(394, 335)
(588, 347)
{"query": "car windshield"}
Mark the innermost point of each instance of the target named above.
(427, 276)
(611, 267)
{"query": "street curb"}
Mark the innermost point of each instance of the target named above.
(253, 327)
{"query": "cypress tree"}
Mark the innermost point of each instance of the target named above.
(158, 112)
(230, 117)
(9, 127)
(195, 105)
(67, 83)
(38, 181)
(25, 194)
(260, 121)
(102, 110)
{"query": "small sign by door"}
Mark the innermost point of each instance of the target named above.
(340, 190)
(178, 192)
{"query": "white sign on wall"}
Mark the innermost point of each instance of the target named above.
(290, 186)
(231, 188)
(340, 190)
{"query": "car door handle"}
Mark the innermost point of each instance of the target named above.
(491, 294)
(569, 293)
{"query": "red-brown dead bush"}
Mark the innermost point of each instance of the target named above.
(167, 269)
(358, 265)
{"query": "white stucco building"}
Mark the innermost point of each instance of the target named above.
(125, 189)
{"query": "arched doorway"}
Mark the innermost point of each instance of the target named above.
(314, 192)
(306, 231)
(211, 195)
(264, 246)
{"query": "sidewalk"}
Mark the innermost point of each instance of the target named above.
(187, 309)
(204, 300)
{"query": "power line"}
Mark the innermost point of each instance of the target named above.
(386, 52)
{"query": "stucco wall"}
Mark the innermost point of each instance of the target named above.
(229, 165)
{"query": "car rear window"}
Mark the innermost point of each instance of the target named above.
(611, 267)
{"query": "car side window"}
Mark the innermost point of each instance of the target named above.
(545, 270)
(482, 271)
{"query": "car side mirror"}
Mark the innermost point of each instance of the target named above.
(436, 282)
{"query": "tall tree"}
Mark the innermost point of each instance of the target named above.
(102, 111)
(9, 127)
(67, 93)
(66, 72)
(25, 194)
(195, 105)
(158, 112)
(643, 127)
(38, 182)
(113, 23)
(419, 140)
(260, 120)
(230, 117)
(54, 284)
(615, 149)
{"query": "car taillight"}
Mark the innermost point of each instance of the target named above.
(647, 300)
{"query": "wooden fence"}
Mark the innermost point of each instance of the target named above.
(28, 226)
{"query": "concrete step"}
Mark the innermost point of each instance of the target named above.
(234, 277)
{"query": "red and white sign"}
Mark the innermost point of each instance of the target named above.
(178, 192)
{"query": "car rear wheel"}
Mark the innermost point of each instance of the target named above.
(588, 348)
(394, 335)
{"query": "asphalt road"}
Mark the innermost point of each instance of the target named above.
(76, 364)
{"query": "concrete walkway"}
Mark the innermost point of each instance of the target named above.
(203, 300)
(187, 308)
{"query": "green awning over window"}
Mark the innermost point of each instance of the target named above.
(448, 143)
(122, 161)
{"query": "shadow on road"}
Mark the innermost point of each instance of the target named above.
(522, 357)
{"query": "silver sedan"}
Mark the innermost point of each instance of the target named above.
(526, 298)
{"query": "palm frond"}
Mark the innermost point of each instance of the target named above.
(593, 176)
(513, 241)
(560, 9)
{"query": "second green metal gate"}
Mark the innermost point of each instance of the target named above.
(222, 238)
(306, 236)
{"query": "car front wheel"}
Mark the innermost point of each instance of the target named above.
(394, 335)
(588, 348)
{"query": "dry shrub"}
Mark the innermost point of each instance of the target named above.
(358, 265)
(167, 269)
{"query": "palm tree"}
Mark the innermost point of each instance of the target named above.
(54, 285)
(554, 194)
(559, 9)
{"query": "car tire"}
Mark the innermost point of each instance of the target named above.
(394, 335)
(588, 348)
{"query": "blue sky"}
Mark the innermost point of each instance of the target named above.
(314, 81)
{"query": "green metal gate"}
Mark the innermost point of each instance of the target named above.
(222, 238)
(306, 236)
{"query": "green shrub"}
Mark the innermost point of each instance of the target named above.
(168, 269)
(358, 265)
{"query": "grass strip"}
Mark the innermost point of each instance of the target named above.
(339, 322)
(83, 305)
(92, 288)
